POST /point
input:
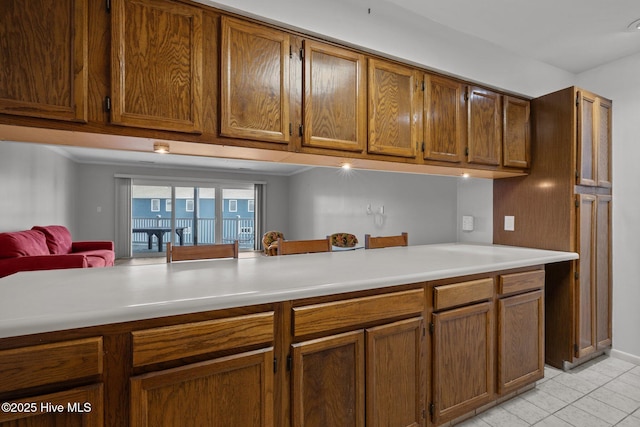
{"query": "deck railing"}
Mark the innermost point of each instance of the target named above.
(240, 229)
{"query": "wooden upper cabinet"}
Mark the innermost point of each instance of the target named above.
(445, 119)
(33, 80)
(393, 109)
(255, 82)
(156, 67)
(516, 145)
(334, 90)
(484, 126)
(594, 140)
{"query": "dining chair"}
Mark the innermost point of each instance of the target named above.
(188, 253)
(385, 241)
(290, 247)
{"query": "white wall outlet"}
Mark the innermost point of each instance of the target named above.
(99, 209)
(467, 223)
(509, 223)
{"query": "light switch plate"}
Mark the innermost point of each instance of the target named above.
(509, 223)
(467, 223)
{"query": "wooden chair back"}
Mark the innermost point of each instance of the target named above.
(187, 253)
(290, 247)
(385, 241)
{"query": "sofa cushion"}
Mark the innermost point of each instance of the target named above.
(107, 257)
(23, 243)
(58, 238)
(95, 261)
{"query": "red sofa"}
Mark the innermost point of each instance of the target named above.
(50, 248)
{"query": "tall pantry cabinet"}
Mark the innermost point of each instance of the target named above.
(565, 204)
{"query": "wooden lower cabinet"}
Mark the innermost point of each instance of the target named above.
(520, 340)
(78, 407)
(463, 360)
(229, 391)
(381, 369)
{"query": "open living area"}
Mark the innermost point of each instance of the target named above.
(248, 213)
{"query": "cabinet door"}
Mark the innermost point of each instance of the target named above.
(334, 97)
(230, 391)
(587, 138)
(463, 360)
(484, 131)
(34, 81)
(585, 283)
(392, 109)
(445, 119)
(604, 281)
(604, 143)
(79, 407)
(516, 145)
(395, 374)
(328, 381)
(156, 65)
(520, 340)
(255, 82)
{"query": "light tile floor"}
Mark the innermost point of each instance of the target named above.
(602, 392)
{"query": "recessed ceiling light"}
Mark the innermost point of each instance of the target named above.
(634, 26)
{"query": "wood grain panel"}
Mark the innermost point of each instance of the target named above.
(520, 282)
(392, 109)
(603, 166)
(230, 391)
(463, 360)
(337, 315)
(445, 118)
(291, 247)
(157, 65)
(328, 382)
(396, 379)
(462, 293)
(604, 280)
(520, 340)
(255, 82)
(88, 400)
(175, 342)
(50, 363)
(335, 97)
(587, 138)
(516, 133)
(585, 284)
(484, 131)
(33, 81)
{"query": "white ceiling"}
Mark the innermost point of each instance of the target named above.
(574, 35)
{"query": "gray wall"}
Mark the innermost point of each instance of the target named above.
(325, 201)
(37, 187)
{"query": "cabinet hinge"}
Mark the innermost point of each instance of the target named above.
(290, 51)
(466, 94)
(108, 5)
(275, 365)
(290, 129)
(466, 151)
(576, 275)
(575, 348)
(423, 86)
(578, 99)
(289, 362)
(431, 327)
(301, 54)
(301, 130)
(107, 103)
(423, 146)
(577, 203)
(432, 408)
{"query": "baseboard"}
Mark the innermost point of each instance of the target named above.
(631, 358)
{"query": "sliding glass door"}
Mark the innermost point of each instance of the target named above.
(191, 215)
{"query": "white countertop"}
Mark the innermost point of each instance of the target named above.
(44, 301)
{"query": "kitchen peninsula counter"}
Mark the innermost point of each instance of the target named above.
(44, 301)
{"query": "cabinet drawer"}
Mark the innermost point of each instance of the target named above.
(520, 282)
(50, 363)
(446, 296)
(175, 342)
(316, 318)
